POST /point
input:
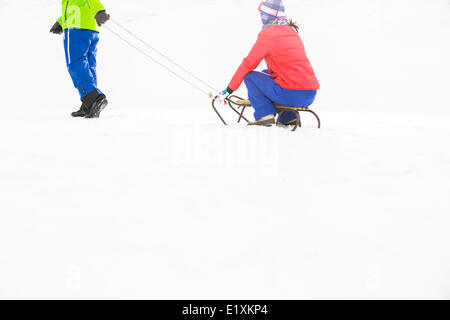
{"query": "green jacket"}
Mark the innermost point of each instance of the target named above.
(80, 14)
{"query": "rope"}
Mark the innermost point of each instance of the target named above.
(164, 56)
(209, 94)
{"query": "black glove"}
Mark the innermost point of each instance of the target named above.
(101, 17)
(56, 29)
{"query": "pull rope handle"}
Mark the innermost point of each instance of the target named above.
(209, 94)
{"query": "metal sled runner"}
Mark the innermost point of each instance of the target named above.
(235, 103)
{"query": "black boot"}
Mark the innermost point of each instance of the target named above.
(80, 113)
(94, 103)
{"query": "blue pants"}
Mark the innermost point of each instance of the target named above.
(80, 46)
(263, 92)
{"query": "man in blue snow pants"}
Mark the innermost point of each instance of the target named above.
(80, 22)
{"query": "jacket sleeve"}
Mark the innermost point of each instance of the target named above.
(256, 55)
(60, 21)
(96, 6)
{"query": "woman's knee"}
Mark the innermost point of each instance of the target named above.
(250, 77)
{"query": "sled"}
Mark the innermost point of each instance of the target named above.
(235, 103)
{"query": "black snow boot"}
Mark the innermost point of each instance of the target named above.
(80, 113)
(94, 103)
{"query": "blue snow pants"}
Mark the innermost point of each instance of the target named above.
(263, 92)
(80, 46)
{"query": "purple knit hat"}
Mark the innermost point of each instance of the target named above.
(271, 10)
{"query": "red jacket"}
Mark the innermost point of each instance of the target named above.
(286, 59)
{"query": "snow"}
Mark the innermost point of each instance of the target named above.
(157, 199)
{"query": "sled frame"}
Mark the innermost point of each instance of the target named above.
(232, 102)
(235, 103)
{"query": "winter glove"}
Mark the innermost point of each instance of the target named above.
(102, 17)
(56, 29)
(222, 97)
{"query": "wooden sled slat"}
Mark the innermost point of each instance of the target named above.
(244, 102)
(277, 106)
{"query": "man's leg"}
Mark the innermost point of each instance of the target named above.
(258, 85)
(92, 57)
(68, 33)
(77, 43)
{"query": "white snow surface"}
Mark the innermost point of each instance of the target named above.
(157, 199)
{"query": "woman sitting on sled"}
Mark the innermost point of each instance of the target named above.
(290, 80)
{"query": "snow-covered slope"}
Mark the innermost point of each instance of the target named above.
(158, 200)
